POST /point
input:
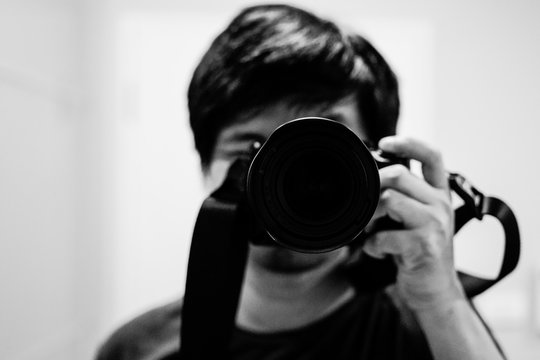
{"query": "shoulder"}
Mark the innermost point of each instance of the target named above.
(151, 335)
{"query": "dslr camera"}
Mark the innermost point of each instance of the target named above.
(314, 185)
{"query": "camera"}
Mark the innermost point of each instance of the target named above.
(314, 185)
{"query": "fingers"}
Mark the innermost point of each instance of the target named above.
(388, 243)
(398, 177)
(403, 209)
(432, 164)
(422, 245)
(408, 247)
(422, 206)
(420, 222)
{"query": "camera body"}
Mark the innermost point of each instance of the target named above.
(314, 185)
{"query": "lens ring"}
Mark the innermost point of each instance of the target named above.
(265, 187)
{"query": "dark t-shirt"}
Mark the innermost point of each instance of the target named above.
(367, 327)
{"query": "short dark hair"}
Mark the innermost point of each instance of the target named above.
(275, 52)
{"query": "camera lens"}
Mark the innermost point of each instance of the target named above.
(313, 185)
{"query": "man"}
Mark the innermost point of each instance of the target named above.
(276, 63)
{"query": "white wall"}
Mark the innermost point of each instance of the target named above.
(39, 119)
(54, 232)
(99, 184)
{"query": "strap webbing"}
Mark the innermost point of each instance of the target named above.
(216, 265)
(215, 274)
(476, 205)
(492, 206)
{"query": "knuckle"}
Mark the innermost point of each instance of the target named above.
(437, 216)
(435, 156)
(430, 247)
(407, 140)
(395, 173)
(390, 198)
(373, 246)
(439, 220)
(429, 243)
(440, 224)
(447, 207)
(386, 195)
(444, 201)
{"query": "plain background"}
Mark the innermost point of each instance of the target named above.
(99, 183)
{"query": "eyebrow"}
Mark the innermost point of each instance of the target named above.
(248, 135)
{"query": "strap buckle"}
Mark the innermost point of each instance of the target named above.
(473, 198)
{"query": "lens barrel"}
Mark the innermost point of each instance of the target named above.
(313, 185)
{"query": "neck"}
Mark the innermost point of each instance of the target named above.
(272, 301)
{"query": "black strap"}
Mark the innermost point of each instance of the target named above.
(216, 265)
(215, 273)
(476, 205)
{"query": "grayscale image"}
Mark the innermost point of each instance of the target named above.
(248, 180)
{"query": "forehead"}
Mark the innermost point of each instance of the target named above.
(259, 125)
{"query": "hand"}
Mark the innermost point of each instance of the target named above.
(423, 248)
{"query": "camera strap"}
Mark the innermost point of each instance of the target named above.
(475, 206)
(216, 265)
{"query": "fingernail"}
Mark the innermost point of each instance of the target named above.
(386, 143)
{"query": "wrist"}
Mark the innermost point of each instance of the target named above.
(434, 301)
(440, 308)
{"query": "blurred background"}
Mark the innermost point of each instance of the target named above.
(100, 185)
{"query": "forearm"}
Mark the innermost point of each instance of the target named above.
(455, 332)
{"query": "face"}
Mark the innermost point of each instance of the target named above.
(238, 137)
